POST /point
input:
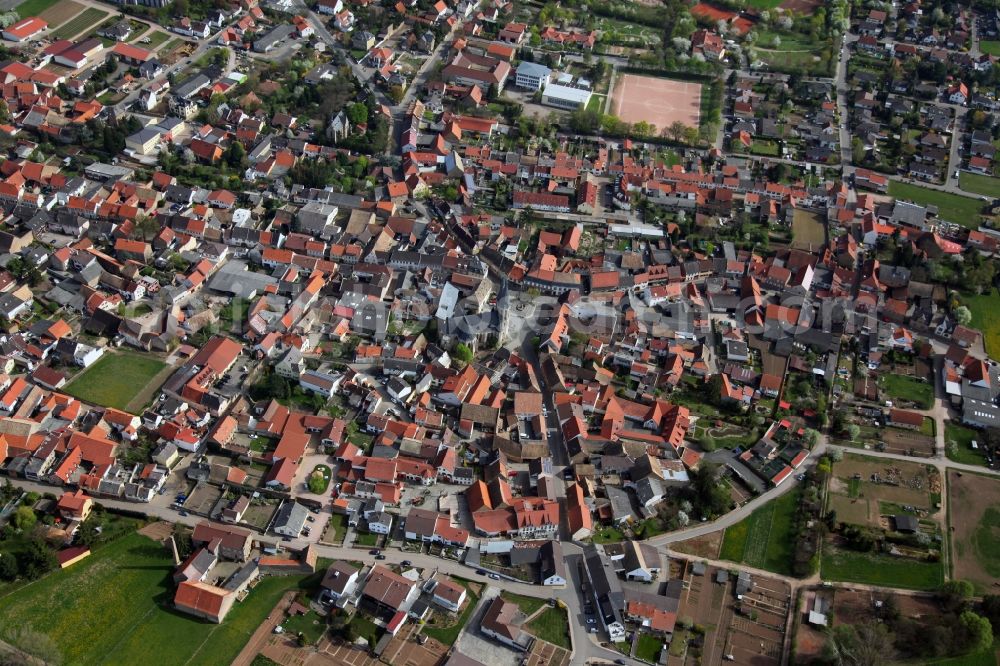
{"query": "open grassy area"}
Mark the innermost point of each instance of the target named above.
(648, 648)
(33, 7)
(874, 569)
(607, 535)
(764, 539)
(81, 22)
(115, 607)
(310, 625)
(528, 605)
(597, 103)
(985, 309)
(990, 47)
(319, 480)
(980, 184)
(336, 529)
(155, 39)
(958, 445)
(764, 147)
(552, 626)
(448, 634)
(115, 379)
(954, 208)
(903, 387)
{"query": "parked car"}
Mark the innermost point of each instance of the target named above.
(494, 576)
(380, 557)
(375, 551)
(406, 563)
(480, 572)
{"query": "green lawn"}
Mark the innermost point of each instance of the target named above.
(764, 538)
(985, 309)
(980, 184)
(115, 607)
(33, 7)
(528, 605)
(552, 626)
(961, 451)
(596, 103)
(908, 388)
(927, 427)
(365, 539)
(607, 535)
(447, 635)
(79, 23)
(155, 39)
(338, 523)
(872, 569)
(365, 628)
(986, 46)
(954, 208)
(764, 147)
(648, 648)
(310, 625)
(115, 379)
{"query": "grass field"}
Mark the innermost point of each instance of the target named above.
(808, 231)
(763, 539)
(551, 625)
(980, 184)
(961, 451)
(155, 39)
(114, 607)
(596, 103)
(902, 387)
(974, 529)
(33, 7)
(648, 648)
(990, 47)
(954, 208)
(871, 569)
(115, 379)
(528, 605)
(985, 309)
(81, 22)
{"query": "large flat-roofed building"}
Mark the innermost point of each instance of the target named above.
(565, 97)
(532, 76)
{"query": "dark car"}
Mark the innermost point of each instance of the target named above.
(619, 661)
(380, 557)
(374, 551)
(406, 563)
(480, 572)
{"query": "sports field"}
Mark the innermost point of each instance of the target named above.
(660, 102)
(116, 379)
(114, 607)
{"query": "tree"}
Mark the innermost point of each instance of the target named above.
(8, 566)
(24, 518)
(862, 645)
(811, 437)
(235, 155)
(990, 608)
(357, 113)
(853, 431)
(37, 560)
(676, 130)
(962, 315)
(954, 595)
(978, 632)
(462, 353)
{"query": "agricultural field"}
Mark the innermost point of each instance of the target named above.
(876, 569)
(33, 7)
(975, 520)
(980, 184)
(985, 309)
(116, 379)
(954, 208)
(764, 540)
(876, 482)
(113, 607)
(83, 21)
